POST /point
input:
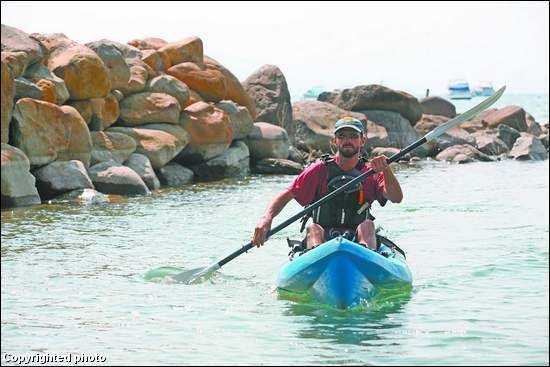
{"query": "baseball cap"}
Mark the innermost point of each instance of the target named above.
(349, 122)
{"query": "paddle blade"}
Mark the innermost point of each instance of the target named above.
(161, 274)
(195, 276)
(178, 275)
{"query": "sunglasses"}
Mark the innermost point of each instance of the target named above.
(350, 136)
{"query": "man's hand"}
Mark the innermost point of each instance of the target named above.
(277, 204)
(260, 232)
(379, 163)
(392, 189)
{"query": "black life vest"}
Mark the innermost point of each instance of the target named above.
(349, 208)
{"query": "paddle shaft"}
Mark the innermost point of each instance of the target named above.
(432, 135)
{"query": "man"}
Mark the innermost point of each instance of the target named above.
(347, 213)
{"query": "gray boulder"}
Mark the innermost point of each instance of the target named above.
(17, 183)
(57, 178)
(112, 178)
(268, 88)
(438, 106)
(375, 97)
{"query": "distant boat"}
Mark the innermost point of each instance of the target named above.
(484, 89)
(313, 93)
(459, 89)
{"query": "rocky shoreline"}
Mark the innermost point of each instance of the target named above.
(127, 119)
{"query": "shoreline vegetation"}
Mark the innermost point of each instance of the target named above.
(106, 118)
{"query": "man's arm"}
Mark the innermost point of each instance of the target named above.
(274, 208)
(392, 189)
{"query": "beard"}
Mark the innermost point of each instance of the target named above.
(348, 151)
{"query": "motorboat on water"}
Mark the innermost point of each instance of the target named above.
(484, 89)
(459, 89)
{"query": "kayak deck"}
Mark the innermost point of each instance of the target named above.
(342, 273)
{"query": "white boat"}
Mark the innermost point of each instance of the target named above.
(484, 89)
(459, 89)
(313, 93)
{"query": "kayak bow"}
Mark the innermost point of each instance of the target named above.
(342, 273)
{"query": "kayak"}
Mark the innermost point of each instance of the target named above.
(342, 273)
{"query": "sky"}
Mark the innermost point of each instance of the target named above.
(409, 46)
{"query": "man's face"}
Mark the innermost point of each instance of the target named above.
(348, 142)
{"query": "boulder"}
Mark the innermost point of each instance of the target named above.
(314, 124)
(99, 113)
(148, 43)
(241, 121)
(429, 122)
(186, 50)
(79, 66)
(477, 122)
(295, 155)
(159, 142)
(52, 88)
(171, 86)
(154, 59)
(454, 136)
(375, 97)
(513, 116)
(437, 106)
(544, 140)
(269, 90)
(277, 166)
(8, 92)
(140, 73)
(112, 178)
(528, 147)
(15, 40)
(18, 187)
(63, 135)
(400, 132)
(111, 146)
(174, 174)
(210, 132)
(57, 178)
(118, 71)
(267, 141)
(142, 166)
(508, 135)
(462, 154)
(213, 82)
(234, 162)
(533, 127)
(490, 144)
(148, 107)
(24, 88)
(17, 62)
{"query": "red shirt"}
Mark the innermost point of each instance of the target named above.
(312, 184)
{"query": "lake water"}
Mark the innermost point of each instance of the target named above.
(476, 238)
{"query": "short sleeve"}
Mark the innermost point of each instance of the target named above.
(310, 184)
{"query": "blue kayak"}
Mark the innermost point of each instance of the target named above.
(342, 273)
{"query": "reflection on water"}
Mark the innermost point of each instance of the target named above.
(369, 321)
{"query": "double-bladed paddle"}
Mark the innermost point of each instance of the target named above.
(192, 276)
